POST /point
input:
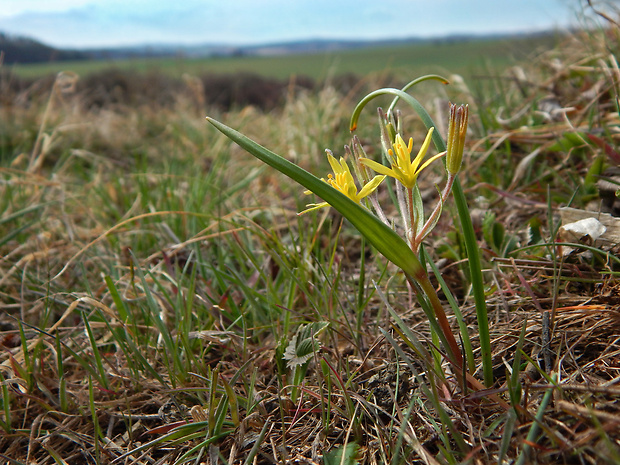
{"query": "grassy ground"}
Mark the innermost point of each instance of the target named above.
(156, 283)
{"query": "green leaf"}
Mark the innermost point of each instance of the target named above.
(440, 145)
(381, 236)
(534, 233)
(418, 211)
(493, 232)
(304, 344)
(335, 456)
(569, 141)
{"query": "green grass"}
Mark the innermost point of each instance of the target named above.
(462, 57)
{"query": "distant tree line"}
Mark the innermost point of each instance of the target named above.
(25, 50)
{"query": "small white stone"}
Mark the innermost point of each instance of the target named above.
(586, 227)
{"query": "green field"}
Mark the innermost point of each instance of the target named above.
(462, 57)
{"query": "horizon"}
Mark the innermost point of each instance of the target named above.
(96, 24)
(309, 40)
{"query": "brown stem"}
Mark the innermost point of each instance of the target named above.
(454, 351)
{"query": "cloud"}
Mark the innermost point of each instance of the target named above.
(81, 23)
(16, 7)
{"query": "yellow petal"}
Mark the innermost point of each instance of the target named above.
(431, 160)
(377, 167)
(336, 168)
(423, 150)
(313, 206)
(403, 156)
(427, 141)
(371, 186)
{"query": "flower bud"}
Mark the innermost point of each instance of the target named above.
(457, 131)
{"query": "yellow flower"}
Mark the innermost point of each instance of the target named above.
(343, 181)
(403, 169)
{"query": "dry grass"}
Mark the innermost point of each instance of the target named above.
(152, 276)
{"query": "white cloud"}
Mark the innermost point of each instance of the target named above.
(91, 23)
(15, 7)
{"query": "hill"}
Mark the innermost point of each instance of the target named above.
(17, 49)
(26, 50)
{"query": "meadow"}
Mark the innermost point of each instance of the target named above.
(164, 302)
(458, 56)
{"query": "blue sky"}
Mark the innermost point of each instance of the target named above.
(98, 23)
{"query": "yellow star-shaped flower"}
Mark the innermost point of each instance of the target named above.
(403, 168)
(343, 181)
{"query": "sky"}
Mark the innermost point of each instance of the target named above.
(110, 23)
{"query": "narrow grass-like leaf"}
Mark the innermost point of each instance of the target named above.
(536, 365)
(60, 368)
(181, 433)
(345, 392)
(212, 390)
(477, 282)
(53, 453)
(514, 388)
(62, 380)
(411, 101)
(608, 255)
(326, 408)
(6, 405)
(97, 435)
(171, 350)
(533, 432)
(207, 442)
(259, 441)
(432, 396)
(407, 335)
(62, 395)
(232, 400)
(16, 232)
(612, 453)
(83, 362)
(22, 212)
(25, 371)
(471, 363)
(509, 426)
(96, 354)
(415, 82)
(116, 297)
(361, 291)
(14, 216)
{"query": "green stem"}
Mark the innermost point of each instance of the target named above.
(411, 234)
